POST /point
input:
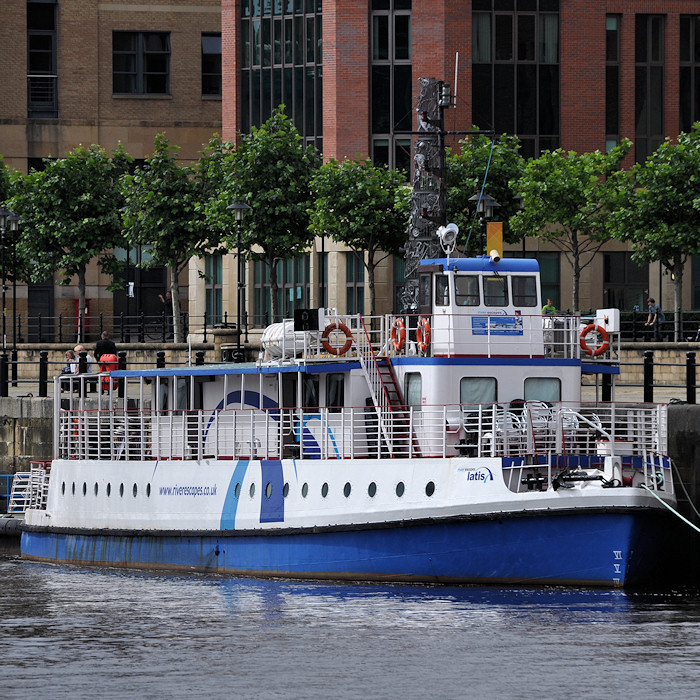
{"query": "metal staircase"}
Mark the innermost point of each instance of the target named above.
(394, 419)
(20, 493)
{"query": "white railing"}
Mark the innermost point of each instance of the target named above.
(484, 430)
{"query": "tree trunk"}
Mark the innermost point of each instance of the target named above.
(370, 278)
(81, 305)
(175, 296)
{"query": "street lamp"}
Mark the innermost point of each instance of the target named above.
(485, 205)
(240, 208)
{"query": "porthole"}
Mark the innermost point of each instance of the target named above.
(285, 490)
(135, 490)
(305, 490)
(72, 489)
(121, 489)
(237, 490)
(268, 489)
(252, 490)
(400, 488)
(84, 488)
(324, 490)
(346, 489)
(109, 489)
(372, 490)
(430, 488)
(63, 488)
(148, 490)
(97, 488)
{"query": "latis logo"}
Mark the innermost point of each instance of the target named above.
(482, 474)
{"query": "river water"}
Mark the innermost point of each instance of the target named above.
(86, 633)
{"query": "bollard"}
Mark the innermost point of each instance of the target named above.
(82, 362)
(690, 376)
(648, 376)
(199, 357)
(4, 389)
(607, 387)
(43, 373)
(121, 355)
(160, 359)
(13, 357)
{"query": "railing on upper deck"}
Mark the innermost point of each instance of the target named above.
(444, 335)
(483, 430)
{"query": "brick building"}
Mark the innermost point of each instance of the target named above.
(579, 75)
(86, 71)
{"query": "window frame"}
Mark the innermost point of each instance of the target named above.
(141, 55)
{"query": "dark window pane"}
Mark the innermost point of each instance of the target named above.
(549, 5)
(549, 100)
(41, 16)
(504, 38)
(612, 100)
(640, 86)
(685, 39)
(526, 38)
(380, 152)
(309, 110)
(657, 39)
(696, 53)
(527, 100)
(656, 100)
(266, 94)
(481, 4)
(380, 37)
(381, 89)
(124, 41)
(640, 38)
(526, 5)
(482, 115)
(611, 38)
(504, 98)
(504, 5)
(403, 108)
(402, 37)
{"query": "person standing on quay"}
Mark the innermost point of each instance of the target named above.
(104, 346)
(655, 319)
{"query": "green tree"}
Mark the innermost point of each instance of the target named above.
(270, 171)
(165, 211)
(366, 207)
(496, 161)
(4, 182)
(657, 211)
(566, 200)
(71, 212)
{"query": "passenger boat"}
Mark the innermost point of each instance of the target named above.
(451, 445)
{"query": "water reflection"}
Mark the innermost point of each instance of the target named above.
(75, 631)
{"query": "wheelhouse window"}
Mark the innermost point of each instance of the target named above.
(495, 291)
(141, 63)
(413, 390)
(524, 291)
(442, 290)
(543, 389)
(478, 390)
(467, 290)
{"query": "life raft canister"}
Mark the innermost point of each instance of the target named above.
(332, 349)
(107, 364)
(398, 334)
(423, 334)
(602, 348)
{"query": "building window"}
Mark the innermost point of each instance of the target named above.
(649, 84)
(391, 83)
(141, 63)
(355, 284)
(612, 81)
(282, 64)
(689, 71)
(515, 71)
(213, 269)
(293, 289)
(211, 64)
(625, 284)
(41, 61)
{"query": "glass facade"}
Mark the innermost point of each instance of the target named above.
(689, 71)
(649, 84)
(612, 81)
(282, 64)
(294, 289)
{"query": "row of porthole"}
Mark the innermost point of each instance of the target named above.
(347, 489)
(96, 489)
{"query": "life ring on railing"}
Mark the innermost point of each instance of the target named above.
(423, 334)
(331, 348)
(398, 334)
(602, 348)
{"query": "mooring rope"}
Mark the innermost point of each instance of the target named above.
(675, 512)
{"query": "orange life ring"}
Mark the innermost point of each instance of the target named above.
(423, 334)
(398, 334)
(602, 348)
(331, 348)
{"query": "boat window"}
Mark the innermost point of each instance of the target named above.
(496, 291)
(413, 389)
(442, 290)
(543, 389)
(467, 290)
(524, 291)
(309, 388)
(424, 291)
(478, 390)
(335, 391)
(182, 393)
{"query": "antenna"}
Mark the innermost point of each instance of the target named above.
(454, 96)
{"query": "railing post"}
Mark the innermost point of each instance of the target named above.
(690, 376)
(60, 328)
(204, 326)
(82, 362)
(648, 376)
(4, 389)
(14, 366)
(121, 364)
(43, 373)
(160, 359)
(199, 357)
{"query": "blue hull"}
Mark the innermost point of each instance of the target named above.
(603, 548)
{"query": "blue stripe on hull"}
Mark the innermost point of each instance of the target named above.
(601, 549)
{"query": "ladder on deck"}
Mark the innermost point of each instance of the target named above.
(394, 420)
(20, 493)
